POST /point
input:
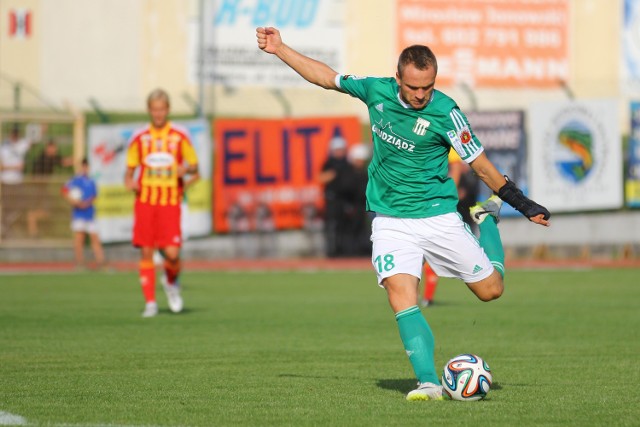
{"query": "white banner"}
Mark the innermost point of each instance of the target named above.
(230, 52)
(107, 161)
(631, 45)
(575, 155)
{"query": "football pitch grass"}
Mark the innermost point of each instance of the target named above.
(313, 348)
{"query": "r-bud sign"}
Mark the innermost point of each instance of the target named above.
(266, 169)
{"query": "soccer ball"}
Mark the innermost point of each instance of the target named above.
(466, 377)
(75, 193)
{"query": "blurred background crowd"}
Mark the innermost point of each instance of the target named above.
(551, 88)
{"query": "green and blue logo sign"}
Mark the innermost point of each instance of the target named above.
(574, 155)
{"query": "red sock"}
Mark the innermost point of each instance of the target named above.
(430, 283)
(172, 270)
(147, 274)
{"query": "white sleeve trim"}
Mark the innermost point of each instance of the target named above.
(474, 156)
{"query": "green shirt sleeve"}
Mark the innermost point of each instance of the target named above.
(461, 137)
(355, 86)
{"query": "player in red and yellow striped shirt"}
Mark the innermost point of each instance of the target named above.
(158, 157)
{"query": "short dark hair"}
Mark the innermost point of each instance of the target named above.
(85, 161)
(420, 56)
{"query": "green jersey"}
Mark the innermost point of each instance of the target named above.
(408, 174)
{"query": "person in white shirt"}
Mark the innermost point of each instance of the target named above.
(12, 156)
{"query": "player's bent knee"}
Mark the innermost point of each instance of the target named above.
(492, 293)
(488, 289)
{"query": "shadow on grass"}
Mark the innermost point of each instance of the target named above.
(185, 311)
(317, 377)
(401, 386)
(405, 386)
(438, 303)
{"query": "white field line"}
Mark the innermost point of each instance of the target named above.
(8, 419)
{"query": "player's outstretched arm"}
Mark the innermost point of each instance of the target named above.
(313, 71)
(511, 194)
(508, 191)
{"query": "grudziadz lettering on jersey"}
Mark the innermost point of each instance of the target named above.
(386, 134)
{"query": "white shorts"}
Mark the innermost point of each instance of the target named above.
(402, 245)
(84, 226)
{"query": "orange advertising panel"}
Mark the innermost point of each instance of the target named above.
(497, 43)
(266, 170)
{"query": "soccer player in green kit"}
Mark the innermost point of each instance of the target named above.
(413, 127)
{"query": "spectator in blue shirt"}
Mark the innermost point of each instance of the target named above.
(81, 192)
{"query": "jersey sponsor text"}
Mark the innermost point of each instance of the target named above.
(391, 138)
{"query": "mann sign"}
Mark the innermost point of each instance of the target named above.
(490, 42)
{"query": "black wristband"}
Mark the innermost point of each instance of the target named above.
(527, 207)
